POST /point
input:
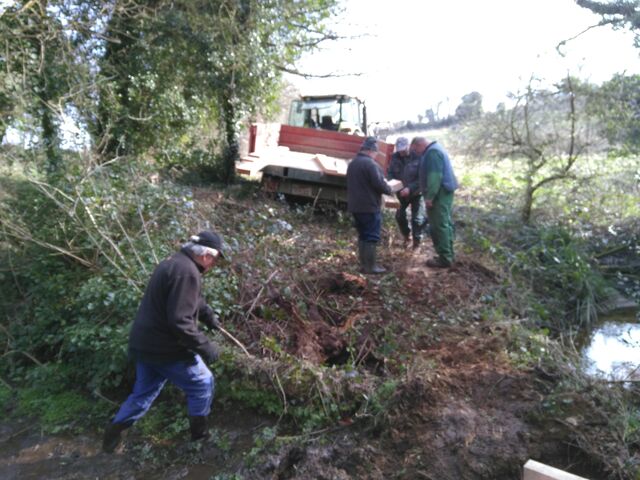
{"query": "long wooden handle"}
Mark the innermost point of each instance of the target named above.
(236, 341)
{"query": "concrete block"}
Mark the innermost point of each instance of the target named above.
(539, 471)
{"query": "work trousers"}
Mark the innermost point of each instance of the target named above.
(193, 378)
(368, 225)
(441, 225)
(418, 217)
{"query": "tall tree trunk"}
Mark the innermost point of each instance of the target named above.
(112, 129)
(45, 85)
(528, 203)
(529, 191)
(231, 149)
(50, 138)
(3, 131)
(229, 98)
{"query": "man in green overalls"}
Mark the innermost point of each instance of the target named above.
(438, 182)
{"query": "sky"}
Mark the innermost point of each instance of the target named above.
(418, 54)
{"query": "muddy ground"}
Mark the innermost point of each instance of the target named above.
(27, 453)
(461, 410)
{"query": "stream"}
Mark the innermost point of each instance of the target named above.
(612, 349)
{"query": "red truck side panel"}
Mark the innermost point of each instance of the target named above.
(326, 142)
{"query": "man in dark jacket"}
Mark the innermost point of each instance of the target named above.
(405, 166)
(438, 182)
(365, 186)
(165, 341)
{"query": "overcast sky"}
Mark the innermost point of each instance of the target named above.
(418, 53)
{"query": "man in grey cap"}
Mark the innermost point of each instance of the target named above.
(405, 166)
(365, 186)
(165, 341)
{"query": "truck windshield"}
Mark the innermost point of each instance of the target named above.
(323, 113)
(351, 112)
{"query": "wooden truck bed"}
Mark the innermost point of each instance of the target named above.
(287, 146)
(305, 161)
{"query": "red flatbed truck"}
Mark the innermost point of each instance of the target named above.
(308, 156)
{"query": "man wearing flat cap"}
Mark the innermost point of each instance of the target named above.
(365, 186)
(165, 341)
(405, 166)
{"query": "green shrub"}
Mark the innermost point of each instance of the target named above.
(82, 251)
(55, 400)
(560, 271)
(6, 397)
(57, 412)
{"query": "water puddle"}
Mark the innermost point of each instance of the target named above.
(612, 348)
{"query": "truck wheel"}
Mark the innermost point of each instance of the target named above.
(269, 184)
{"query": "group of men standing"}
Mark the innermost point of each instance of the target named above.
(428, 186)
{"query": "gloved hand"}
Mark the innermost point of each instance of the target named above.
(209, 352)
(215, 323)
(209, 318)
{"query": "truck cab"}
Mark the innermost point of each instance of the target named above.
(339, 113)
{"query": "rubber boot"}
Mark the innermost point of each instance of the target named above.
(369, 257)
(438, 262)
(416, 243)
(113, 436)
(199, 429)
(361, 254)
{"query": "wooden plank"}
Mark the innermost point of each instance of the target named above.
(312, 144)
(263, 136)
(326, 134)
(253, 133)
(539, 471)
(396, 185)
(318, 136)
(282, 157)
(327, 142)
(331, 165)
(331, 150)
(267, 141)
(250, 167)
(322, 151)
(390, 201)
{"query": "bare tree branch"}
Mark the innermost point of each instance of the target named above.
(563, 43)
(313, 75)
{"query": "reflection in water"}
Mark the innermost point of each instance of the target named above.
(614, 351)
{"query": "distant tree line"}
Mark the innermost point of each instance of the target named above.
(470, 108)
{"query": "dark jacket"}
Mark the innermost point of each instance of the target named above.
(365, 185)
(436, 172)
(407, 170)
(165, 329)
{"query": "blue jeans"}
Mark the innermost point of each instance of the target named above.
(368, 225)
(193, 378)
